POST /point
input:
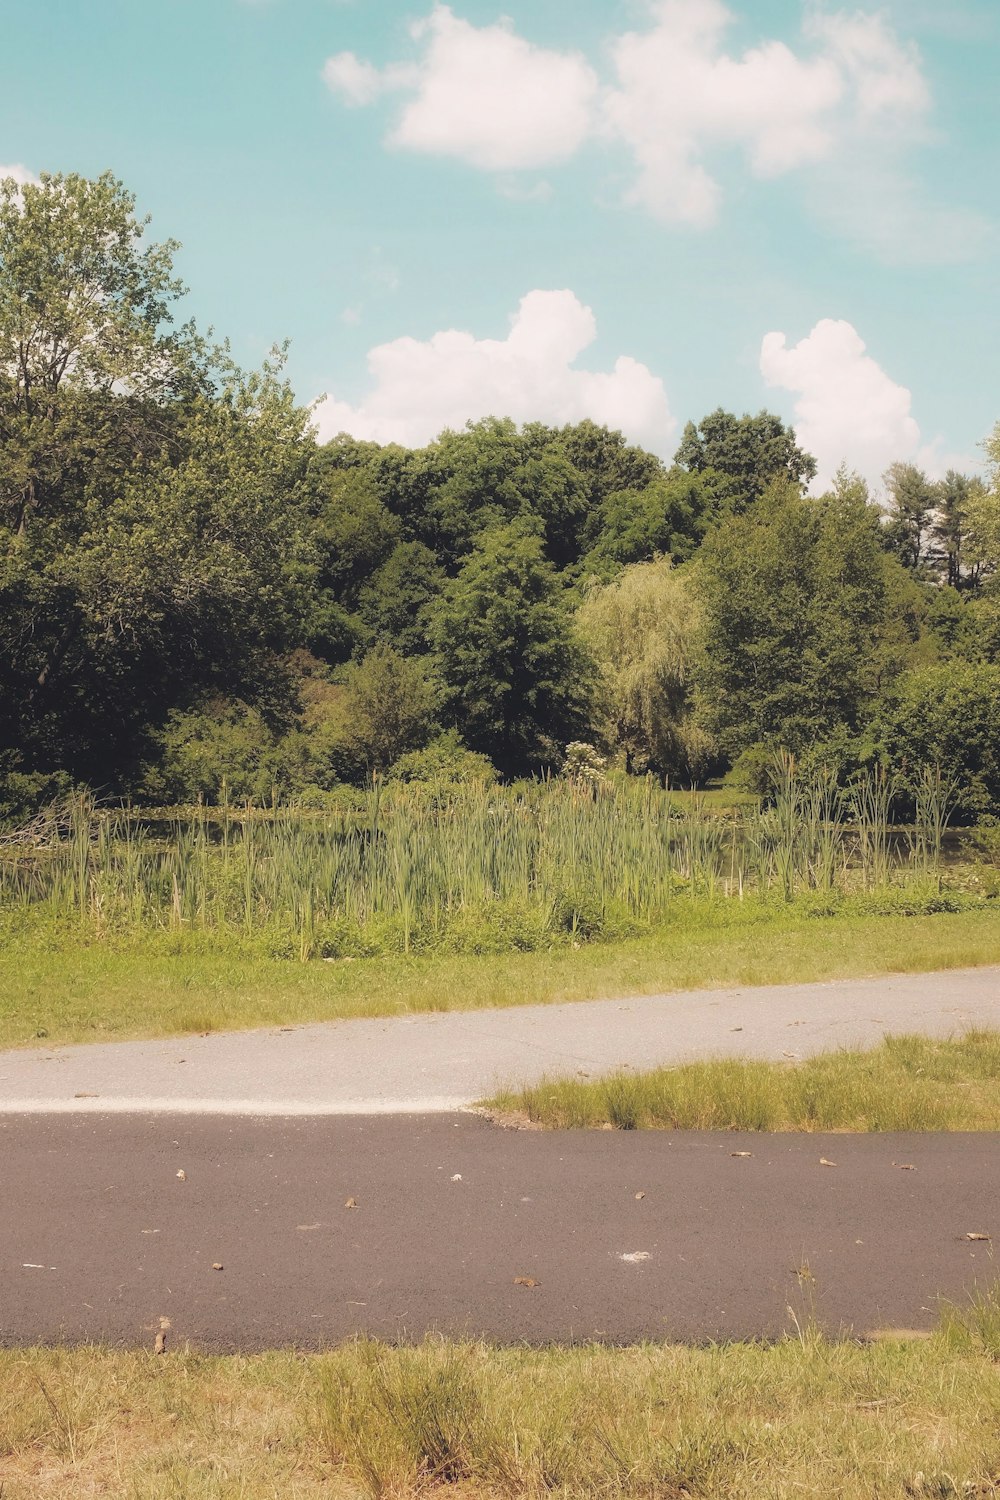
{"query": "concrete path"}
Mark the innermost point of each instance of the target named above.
(442, 1062)
(239, 1233)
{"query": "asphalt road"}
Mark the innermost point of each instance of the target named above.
(444, 1061)
(100, 1237)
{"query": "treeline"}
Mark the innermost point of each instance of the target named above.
(193, 594)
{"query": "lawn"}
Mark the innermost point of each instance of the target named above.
(61, 986)
(895, 1418)
(909, 1083)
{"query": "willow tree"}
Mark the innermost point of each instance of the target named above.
(642, 632)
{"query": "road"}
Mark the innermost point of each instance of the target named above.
(440, 1062)
(628, 1236)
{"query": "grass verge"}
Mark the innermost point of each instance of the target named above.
(57, 986)
(908, 1083)
(896, 1418)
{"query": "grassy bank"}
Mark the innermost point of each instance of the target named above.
(895, 1418)
(909, 1083)
(59, 984)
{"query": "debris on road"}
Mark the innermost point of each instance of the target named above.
(351, 1203)
(182, 1175)
(528, 1281)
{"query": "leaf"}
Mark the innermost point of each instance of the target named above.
(741, 1153)
(217, 1266)
(639, 1197)
(904, 1166)
(985, 1238)
(824, 1163)
(182, 1175)
(528, 1281)
(351, 1203)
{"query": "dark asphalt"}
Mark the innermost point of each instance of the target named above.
(100, 1238)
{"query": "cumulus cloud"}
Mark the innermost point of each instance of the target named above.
(420, 387)
(681, 98)
(678, 97)
(847, 409)
(482, 94)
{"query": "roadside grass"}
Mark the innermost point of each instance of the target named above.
(908, 1083)
(896, 1417)
(60, 985)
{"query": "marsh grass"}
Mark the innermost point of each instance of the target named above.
(806, 1415)
(480, 869)
(910, 1083)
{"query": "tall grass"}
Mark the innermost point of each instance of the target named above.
(475, 869)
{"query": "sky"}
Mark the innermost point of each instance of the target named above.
(630, 210)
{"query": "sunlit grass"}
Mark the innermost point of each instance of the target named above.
(59, 986)
(806, 1416)
(909, 1083)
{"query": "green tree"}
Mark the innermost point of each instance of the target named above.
(948, 717)
(667, 518)
(642, 631)
(910, 504)
(518, 680)
(148, 541)
(389, 706)
(741, 456)
(798, 629)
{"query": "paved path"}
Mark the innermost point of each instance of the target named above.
(106, 1238)
(445, 1061)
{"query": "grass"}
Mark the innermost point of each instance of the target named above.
(59, 984)
(909, 1083)
(896, 1418)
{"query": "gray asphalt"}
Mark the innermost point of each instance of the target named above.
(441, 1062)
(100, 1238)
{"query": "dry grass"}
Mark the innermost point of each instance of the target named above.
(909, 1083)
(897, 1418)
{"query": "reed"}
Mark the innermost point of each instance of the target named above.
(473, 869)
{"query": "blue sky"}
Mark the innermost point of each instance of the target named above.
(351, 174)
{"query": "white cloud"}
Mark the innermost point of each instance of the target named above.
(20, 174)
(419, 387)
(847, 408)
(840, 108)
(482, 94)
(681, 98)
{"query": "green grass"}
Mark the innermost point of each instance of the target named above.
(61, 986)
(895, 1418)
(909, 1083)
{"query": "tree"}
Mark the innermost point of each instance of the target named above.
(948, 717)
(389, 706)
(742, 456)
(148, 537)
(957, 498)
(798, 634)
(667, 518)
(642, 631)
(517, 679)
(910, 503)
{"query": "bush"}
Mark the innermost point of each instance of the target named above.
(948, 717)
(445, 760)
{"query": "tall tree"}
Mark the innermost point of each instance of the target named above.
(742, 456)
(911, 501)
(799, 634)
(519, 682)
(147, 515)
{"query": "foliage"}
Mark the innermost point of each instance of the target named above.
(642, 631)
(740, 457)
(445, 761)
(799, 626)
(518, 681)
(948, 716)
